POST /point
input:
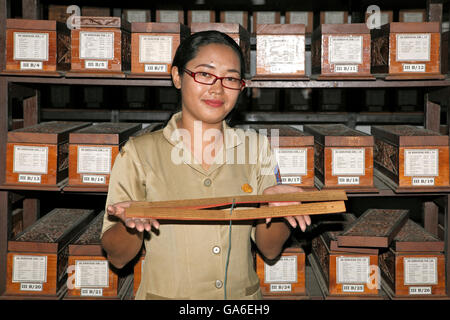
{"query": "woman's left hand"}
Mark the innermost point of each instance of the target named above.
(294, 221)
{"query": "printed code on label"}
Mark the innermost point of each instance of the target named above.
(155, 68)
(423, 181)
(346, 68)
(31, 286)
(31, 178)
(352, 288)
(414, 67)
(348, 180)
(281, 287)
(94, 179)
(289, 180)
(96, 64)
(28, 65)
(92, 292)
(419, 290)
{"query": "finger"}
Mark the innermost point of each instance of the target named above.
(268, 220)
(130, 223)
(155, 224)
(307, 220)
(301, 222)
(139, 225)
(110, 209)
(292, 222)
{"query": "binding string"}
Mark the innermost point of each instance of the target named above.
(228, 253)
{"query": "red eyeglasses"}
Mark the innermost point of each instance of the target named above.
(210, 79)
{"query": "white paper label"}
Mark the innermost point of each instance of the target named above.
(94, 160)
(30, 159)
(280, 287)
(97, 45)
(409, 67)
(234, 17)
(31, 287)
(29, 178)
(93, 179)
(291, 180)
(384, 18)
(420, 271)
(422, 181)
(155, 49)
(91, 292)
(265, 17)
(284, 54)
(345, 68)
(332, 17)
(352, 288)
(421, 162)
(155, 68)
(299, 17)
(95, 64)
(291, 161)
(30, 46)
(345, 49)
(348, 162)
(136, 16)
(348, 180)
(32, 269)
(284, 270)
(31, 65)
(168, 16)
(419, 290)
(201, 16)
(413, 17)
(91, 273)
(413, 47)
(351, 270)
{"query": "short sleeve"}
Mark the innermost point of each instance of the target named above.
(126, 183)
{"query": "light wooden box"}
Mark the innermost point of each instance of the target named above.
(37, 47)
(343, 158)
(333, 17)
(301, 17)
(92, 152)
(406, 51)
(101, 47)
(136, 15)
(205, 16)
(173, 16)
(341, 51)
(153, 47)
(38, 257)
(411, 159)
(265, 17)
(280, 51)
(412, 15)
(38, 156)
(240, 17)
(386, 16)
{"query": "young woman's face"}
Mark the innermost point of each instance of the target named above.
(209, 103)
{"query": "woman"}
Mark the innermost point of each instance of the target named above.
(190, 158)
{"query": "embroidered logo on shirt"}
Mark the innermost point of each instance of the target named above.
(247, 188)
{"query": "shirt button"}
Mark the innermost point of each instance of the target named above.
(216, 250)
(207, 182)
(218, 284)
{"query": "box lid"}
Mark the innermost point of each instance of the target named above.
(287, 136)
(113, 133)
(344, 28)
(413, 238)
(157, 27)
(222, 27)
(407, 27)
(101, 22)
(409, 136)
(339, 135)
(52, 132)
(30, 24)
(89, 242)
(280, 29)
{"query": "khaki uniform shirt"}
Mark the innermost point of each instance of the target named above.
(187, 259)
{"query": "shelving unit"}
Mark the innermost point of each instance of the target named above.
(28, 90)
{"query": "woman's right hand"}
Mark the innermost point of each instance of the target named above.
(118, 210)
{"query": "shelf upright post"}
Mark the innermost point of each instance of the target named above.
(4, 203)
(31, 9)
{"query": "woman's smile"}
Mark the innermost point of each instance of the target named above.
(215, 103)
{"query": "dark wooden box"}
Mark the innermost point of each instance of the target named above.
(414, 265)
(37, 47)
(90, 11)
(90, 274)
(265, 17)
(298, 99)
(136, 15)
(37, 258)
(280, 51)
(332, 100)
(412, 15)
(101, 46)
(92, 152)
(343, 158)
(407, 50)
(341, 51)
(174, 16)
(375, 100)
(38, 156)
(240, 17)
(445, 52)
(411, 159)
(284, 276)
(333, 17)
(235, 31)
(153, 47)
(205, 16)
(58, 13)
(301, 17)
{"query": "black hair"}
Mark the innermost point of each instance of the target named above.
(188, 48)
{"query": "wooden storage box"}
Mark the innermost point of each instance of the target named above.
(92, 152)
(375, 100)
(153, 47)
(206, 16)
(445, 52)
(101, 46)
(411, 159)
(90, 274)
(341, 51)
(37, 47)
(266, 99)
(136, 15)
(240, 17)
(265, 17)
(301, 17)
(95, 11)
(333, 17)
(332, 100)
(414, 265)
(343, 158)
(58, 13)
(412, 15)
(386, 16)
(407, 50)
(173, 16)
(280, 51)
(37, 258)
(285, 276)
(235, 31)
(38, 156)
(298, 99)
